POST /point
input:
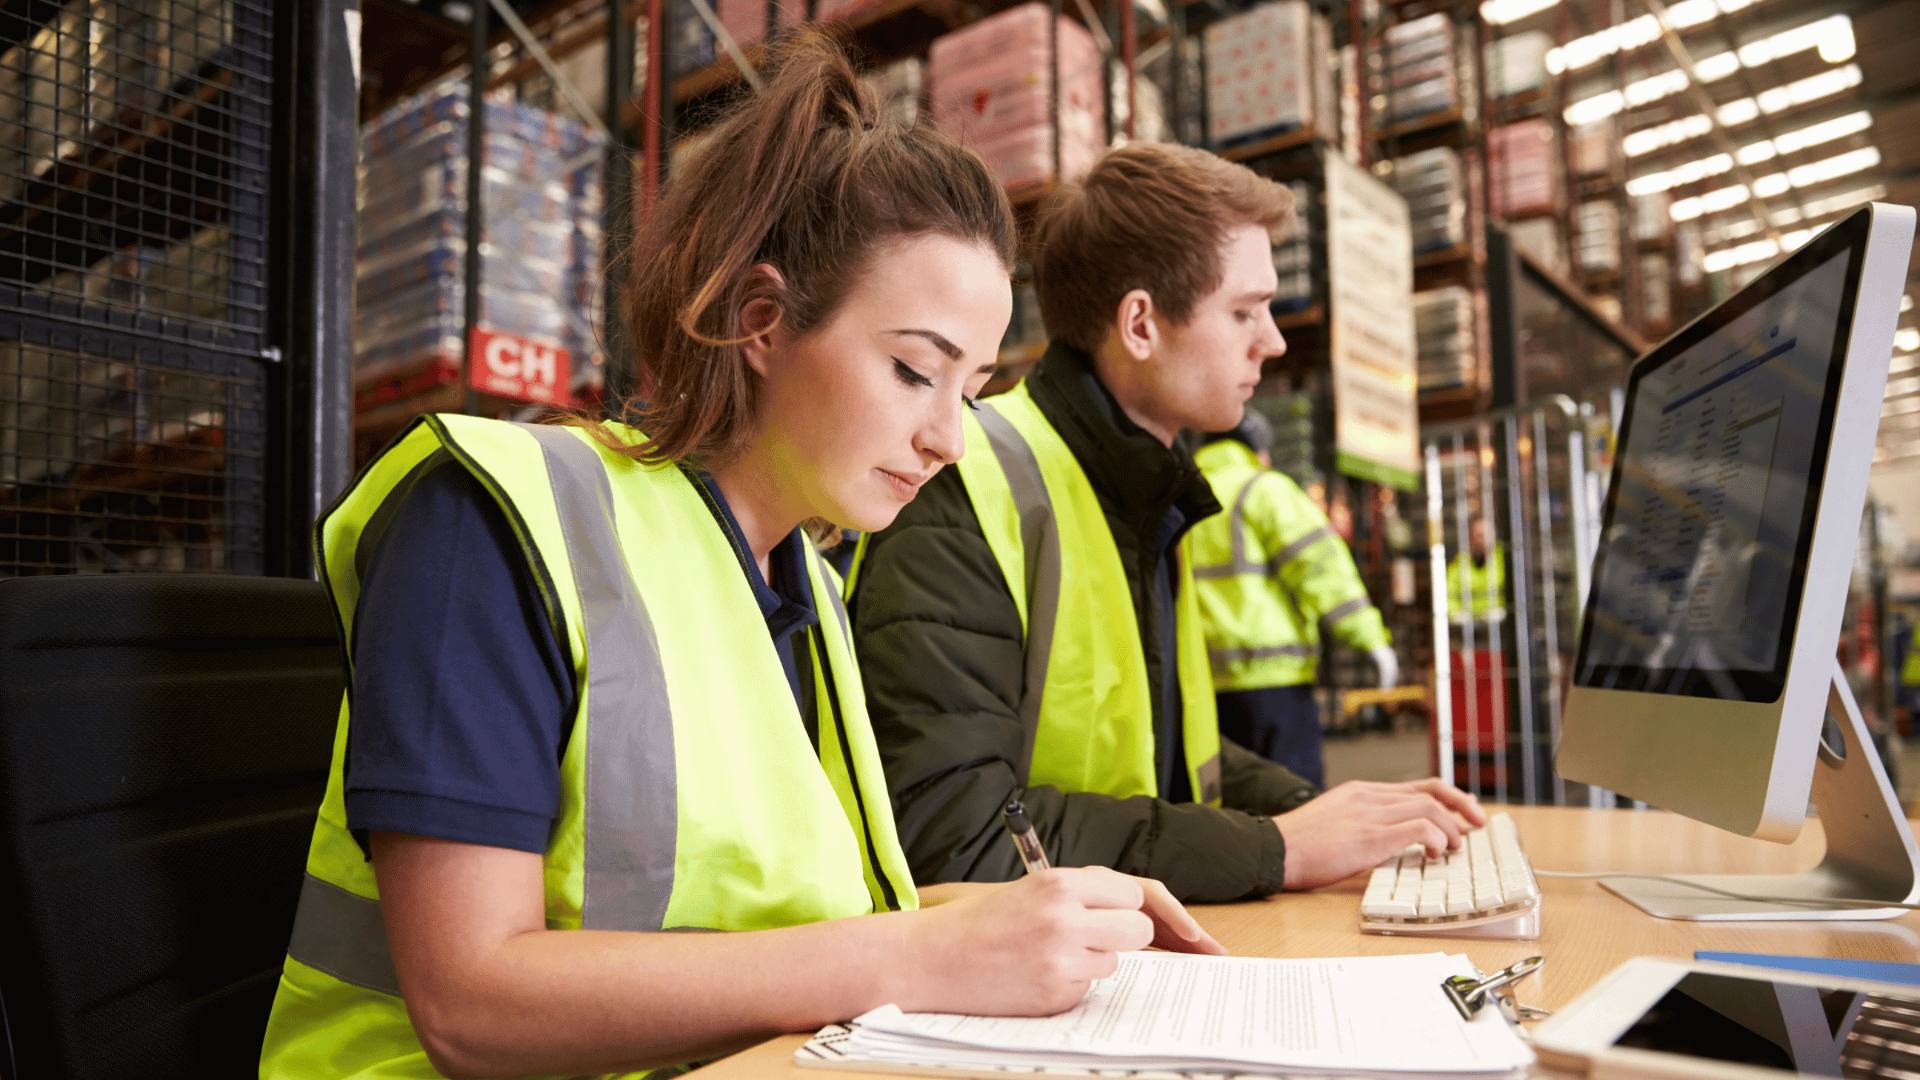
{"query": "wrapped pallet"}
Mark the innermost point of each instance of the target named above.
(992, 88)
(1268, 72)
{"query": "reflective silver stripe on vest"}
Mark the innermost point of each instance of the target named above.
(1040, 540)
(1209, 774)
(833, 598)
(343, 934)
(1292, 551)
(1237, 562)
(1357, 604)
(1237, 531)
(1223, 656)
(632, 797)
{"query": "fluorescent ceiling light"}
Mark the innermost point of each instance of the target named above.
(1595, 47)
(1907, 339)
(1689, 173)
(1660, 136)
(1906, 301)
(1832, 168)
(1717, 261)
(1752, 154)
(1833, 36)
(1499, 12)
(1774, 184)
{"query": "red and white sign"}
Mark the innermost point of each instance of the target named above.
(510, 366)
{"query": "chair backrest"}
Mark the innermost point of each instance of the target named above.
(164, 742)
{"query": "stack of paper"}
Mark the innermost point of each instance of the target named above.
(1382, 1016)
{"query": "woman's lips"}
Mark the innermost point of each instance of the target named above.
(901, 485)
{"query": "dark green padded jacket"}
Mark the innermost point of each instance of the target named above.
(939, 641)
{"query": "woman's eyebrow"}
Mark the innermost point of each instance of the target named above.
(938, 340)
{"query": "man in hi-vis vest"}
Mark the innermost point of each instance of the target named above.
(1271, 572)
(1028, 627)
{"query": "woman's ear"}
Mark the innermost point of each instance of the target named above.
(761, 316)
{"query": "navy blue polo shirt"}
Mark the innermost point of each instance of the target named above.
(462, 698)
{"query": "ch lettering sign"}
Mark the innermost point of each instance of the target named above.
(519, 369)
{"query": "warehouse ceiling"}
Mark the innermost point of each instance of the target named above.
(1764, 121)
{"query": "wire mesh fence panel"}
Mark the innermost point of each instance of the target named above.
(134, 148)
(1513, 502)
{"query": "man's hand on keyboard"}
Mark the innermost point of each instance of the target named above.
(1356, 825)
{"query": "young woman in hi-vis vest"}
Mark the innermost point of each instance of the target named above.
(603, 688)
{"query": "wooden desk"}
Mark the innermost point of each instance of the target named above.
(1585, 931)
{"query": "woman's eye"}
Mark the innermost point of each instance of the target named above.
(908, 375)
(972, 403)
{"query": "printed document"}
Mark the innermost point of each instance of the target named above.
(1362, 1015)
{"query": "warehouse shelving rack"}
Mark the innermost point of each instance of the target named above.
(175, 256)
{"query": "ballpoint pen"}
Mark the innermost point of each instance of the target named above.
(1024, 840)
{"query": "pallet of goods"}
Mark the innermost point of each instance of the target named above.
(540, 260)
(991, 87)
(1269, 71)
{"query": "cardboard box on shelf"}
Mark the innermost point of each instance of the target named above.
(1267, 72)
(1524, 178)
(539, 294)
(1540, 238)
(991, 86)
(1434, 185)
(1517, 64)
(1443, 326)
(1598, 242)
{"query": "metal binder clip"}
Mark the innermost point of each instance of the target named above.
(1468, 994)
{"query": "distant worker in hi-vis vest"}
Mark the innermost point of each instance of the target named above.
(1477, 610)
(602, 685)
(1029, 626)
(1270, 573)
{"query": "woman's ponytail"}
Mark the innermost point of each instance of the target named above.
(806, 176)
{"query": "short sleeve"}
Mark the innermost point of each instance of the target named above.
(462, 698)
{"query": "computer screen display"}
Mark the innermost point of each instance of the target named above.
(1697, 581)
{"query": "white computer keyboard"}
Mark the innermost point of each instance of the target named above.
(1488, 884)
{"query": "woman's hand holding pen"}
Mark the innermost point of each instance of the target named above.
(1032, 947)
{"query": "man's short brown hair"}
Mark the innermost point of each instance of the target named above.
(1150, 216)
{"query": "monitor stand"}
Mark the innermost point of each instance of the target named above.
(1870, 849)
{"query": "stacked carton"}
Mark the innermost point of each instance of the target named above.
(1656, 292)
(1591, 147)
(540, 260)
(1518, 64)
(1524, 179)
(1269, 70)
(1652, 216)
(896, 88)
(1294, 452)
(1597, 244)
(992, 88)
(1293, 255)
(746, 20)
(1443, 333)
(1540, 238)
(1421, 74)
(1435, 187)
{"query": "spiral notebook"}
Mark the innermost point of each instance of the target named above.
(1162, 1013)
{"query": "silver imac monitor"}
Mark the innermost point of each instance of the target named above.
(1706, 666)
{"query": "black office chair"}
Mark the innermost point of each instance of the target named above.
(164, 741)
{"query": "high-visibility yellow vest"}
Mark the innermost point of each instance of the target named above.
(1478, 589)
(1910, 667)
(1088, 710)
(691, 796)
(1263, 604)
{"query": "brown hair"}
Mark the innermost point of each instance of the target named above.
(806, 176)
(1149, 216)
